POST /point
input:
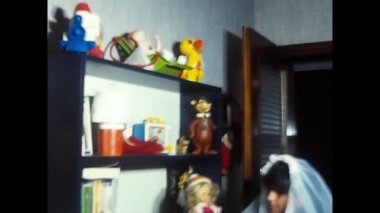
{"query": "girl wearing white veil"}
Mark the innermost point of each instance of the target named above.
(291, 185)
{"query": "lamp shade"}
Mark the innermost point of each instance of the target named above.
(110, 106)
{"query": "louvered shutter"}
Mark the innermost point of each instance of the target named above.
(270, 114)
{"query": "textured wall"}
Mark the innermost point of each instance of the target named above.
(294, 21)
(172, 20)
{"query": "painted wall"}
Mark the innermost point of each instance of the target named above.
(172, 20)
(294, 21)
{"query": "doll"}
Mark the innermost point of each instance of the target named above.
(202, 127)
(226, 154)
(201, 195)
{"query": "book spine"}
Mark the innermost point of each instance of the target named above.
(96, 196)
(86, 198)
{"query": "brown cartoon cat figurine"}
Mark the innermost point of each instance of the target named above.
(202, 128)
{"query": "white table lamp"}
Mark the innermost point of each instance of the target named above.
(110, 110)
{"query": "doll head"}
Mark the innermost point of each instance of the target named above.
(200, 189)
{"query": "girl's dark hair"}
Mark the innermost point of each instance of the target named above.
(277, 178)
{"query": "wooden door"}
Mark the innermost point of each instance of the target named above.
(259, 61)
(267, 90)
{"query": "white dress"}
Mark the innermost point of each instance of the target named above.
(308, 192)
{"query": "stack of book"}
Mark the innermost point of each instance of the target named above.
(99, 187)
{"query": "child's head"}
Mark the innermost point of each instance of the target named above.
(293, 184)
(277, 178)
(277, 183)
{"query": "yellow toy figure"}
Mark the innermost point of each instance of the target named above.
(201, 195)
(182, 180)
(192, 49)
(182, 146)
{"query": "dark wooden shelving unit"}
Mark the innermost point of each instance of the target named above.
(66, 85)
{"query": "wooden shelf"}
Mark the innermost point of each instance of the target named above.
(129, 68)
(146, 161)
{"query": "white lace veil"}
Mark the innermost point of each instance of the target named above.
(308, 192)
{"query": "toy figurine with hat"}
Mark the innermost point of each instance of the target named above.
(202, 127)
(91, 24)
(93, 27)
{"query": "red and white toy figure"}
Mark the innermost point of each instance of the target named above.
(201, 194)
(92, 25)
(226, 154)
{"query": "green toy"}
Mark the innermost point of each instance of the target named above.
(171, 68)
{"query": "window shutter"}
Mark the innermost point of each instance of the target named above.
(270, 113)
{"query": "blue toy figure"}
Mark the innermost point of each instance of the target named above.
(76, 42)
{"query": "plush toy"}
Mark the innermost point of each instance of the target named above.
(142, 41)
(143, 49)
(201, 195)
(202, 127)
(192, 49)
(135, 146)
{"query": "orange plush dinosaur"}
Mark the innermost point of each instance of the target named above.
(192, 49)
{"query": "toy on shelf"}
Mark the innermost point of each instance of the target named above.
(226, 154)
(92, 27)
(231, 149)
(182, 145)
(192, 49)
(92, 24)
(166, 66)
(133, 145)
(135, 49)
(124, 46)
(75, 38)
(141, 41)
(155, 129)
(201, 194)
(202, 127)
(143, 49)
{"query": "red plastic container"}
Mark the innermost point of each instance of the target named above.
(110, 139)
